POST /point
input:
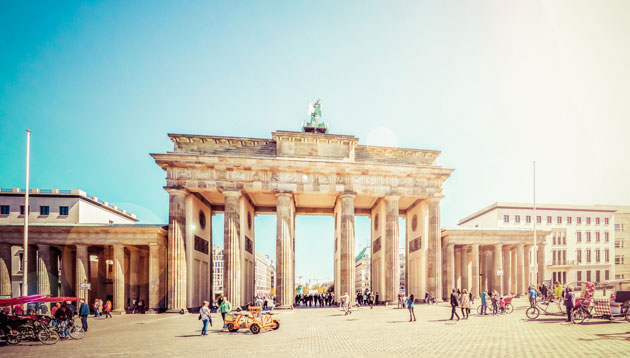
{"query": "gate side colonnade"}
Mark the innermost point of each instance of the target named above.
(491, 259)
(296, 173)
(120, 263)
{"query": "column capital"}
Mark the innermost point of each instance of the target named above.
(283, 193)
(176, 190)
(434, 199)
(347, 194)
(391, 197)
(232, 193)
(81, 247)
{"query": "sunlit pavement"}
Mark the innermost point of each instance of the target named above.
(327, 332)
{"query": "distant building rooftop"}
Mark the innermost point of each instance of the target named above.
(71, 193)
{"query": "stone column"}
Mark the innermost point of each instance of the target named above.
(102, 275)
(45, 278)
(134, 261)
(434, 250)
(119, 279)
(154, 278)
(346, 246)
(520, 270)
(458, 267)
(5, 270)
(81, 271)
(232, 248)
(541, 264)
(392, 260)
(285, 276)
(464, 268)
(177, 251)
(450, 267)
(496, 254)
(67, 272)
(527, 265)
(475, 269)
(513, 270)
(507, 273)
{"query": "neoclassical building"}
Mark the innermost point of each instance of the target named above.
(297, 173)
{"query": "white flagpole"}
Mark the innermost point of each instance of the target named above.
(535, 220)
(26, 213)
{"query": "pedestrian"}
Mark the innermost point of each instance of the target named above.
(465, 304)
(470, 296)
(454, 304)
(141, 306)
(400, 299)
(18, 310)
(569, 302)
(495, 302)
(410, 305)
(532, 296)
(108, 309)
(426, 298)
(84, 312)
(557, 294)
(96, 307)
(484, 304)
(204, 316)
(225, 307)
(345, 303)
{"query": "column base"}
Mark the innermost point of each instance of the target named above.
(118, 313)
(152, 311)
(283, 307)
(176, 310)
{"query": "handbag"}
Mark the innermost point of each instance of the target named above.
(199, 318)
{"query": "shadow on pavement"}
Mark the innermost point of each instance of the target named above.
(608, 336)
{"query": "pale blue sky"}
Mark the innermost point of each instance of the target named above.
(492, 84)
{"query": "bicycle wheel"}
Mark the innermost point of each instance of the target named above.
(578, 316)
(479, 309)
(509, 308)
(48, 336)
(76, 332)
(532, 313)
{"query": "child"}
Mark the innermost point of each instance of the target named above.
(495, 303)
(502, 305)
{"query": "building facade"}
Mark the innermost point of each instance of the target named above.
(582, 242)
(362, 270)
(217, 271)
(81, 246)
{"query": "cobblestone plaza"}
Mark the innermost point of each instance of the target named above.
(327, 332)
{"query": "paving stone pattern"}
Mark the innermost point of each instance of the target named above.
(382, 331)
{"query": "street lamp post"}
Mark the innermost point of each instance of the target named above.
(26, 213)
(535, 258)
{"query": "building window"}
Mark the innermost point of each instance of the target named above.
(559, 219)
(618, 227)
(597, 275)
(597, 236)
(588, 256)
(588, 276)
(554, 239)
(564, 239)
(44, 210)
(578, 220)
(606, 222)
(528, 219)
(588, 236)
(606, 236)
(63, 210)
(579, 236)
(517, 218)
(568, 219)
(538, 219)
(588, 220)
(597, 255)
(579, 257)
(579, 276)
(548, 219)
(506, 218)
(607, 255)
(618, 259)
(5, 209)
(606, 275)
(596, 221)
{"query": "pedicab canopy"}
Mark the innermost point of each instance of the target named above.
(7, 302)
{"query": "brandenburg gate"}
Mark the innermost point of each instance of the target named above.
(299, 173)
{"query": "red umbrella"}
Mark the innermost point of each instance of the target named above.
(20, 300)
(56, 299)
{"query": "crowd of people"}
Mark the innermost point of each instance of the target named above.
(314, 299)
